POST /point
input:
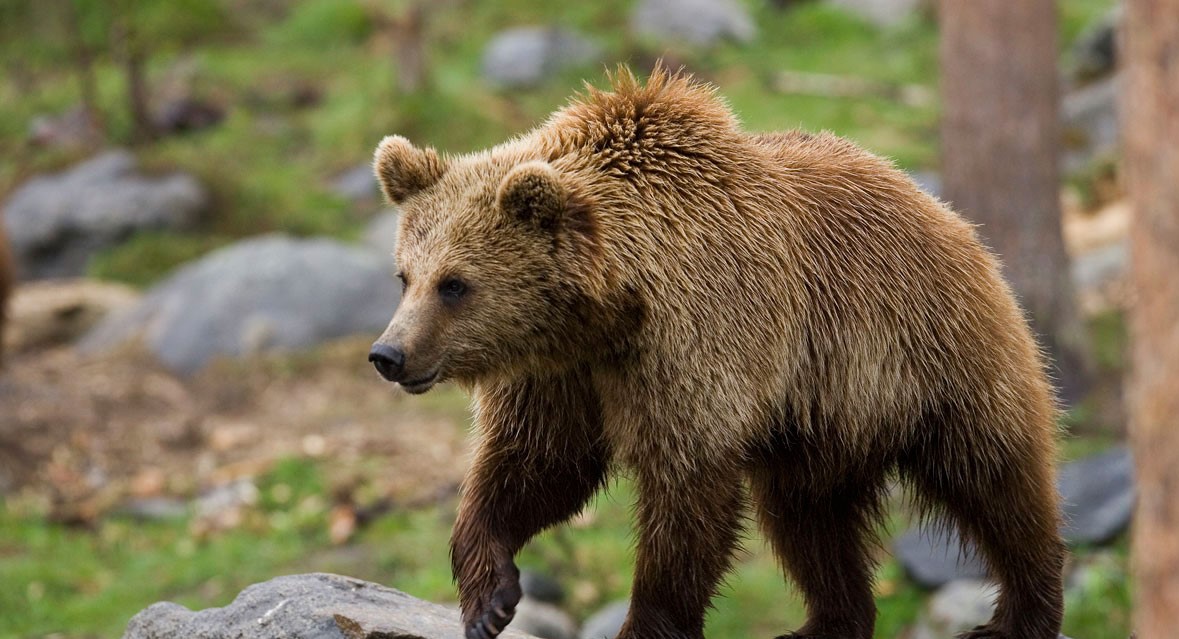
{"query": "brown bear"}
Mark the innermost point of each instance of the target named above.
(638, 284)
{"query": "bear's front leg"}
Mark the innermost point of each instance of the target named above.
(540, 460)
(688, 524)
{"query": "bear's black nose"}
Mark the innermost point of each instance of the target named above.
(389, 360)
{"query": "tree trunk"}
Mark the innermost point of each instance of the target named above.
(133, 59)
(999, 159)
(410, 48)
(83, 55)
(1150, 110)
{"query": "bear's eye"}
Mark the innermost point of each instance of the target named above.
(404, 281)
(452, 288)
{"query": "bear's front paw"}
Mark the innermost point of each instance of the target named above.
(498, 609)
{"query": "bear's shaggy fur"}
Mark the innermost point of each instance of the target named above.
(781, 318)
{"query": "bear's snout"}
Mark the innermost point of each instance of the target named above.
(388, 360)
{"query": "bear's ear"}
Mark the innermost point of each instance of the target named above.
(403, 169)
(532, 192)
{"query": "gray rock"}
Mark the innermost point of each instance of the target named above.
(933, 557)
(154, 508)
(357, 185)
(381, 233)
(956, 607)
(695, 22)
(1098, 496)
(1089, 119)
(1095, 269)
(1095, 52)
(883, 13)
(929, 181)
(541, 587)
(605, 623)
(56, 223)
(524, 57)
(314, 606)
(268, 293)
(543, 620)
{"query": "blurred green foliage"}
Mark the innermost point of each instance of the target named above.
(271, 160)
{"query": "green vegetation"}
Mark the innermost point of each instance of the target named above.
(270, 161)
(89, 582)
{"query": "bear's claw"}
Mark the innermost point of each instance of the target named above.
(501, 611)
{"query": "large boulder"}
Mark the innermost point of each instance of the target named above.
(56, 223)
(268, 293)
(934, 556)
(694, 22)
(1097, 499)
(314, 606)
(524, 57)
(1098, 496)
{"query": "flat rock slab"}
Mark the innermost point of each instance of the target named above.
(313, 606)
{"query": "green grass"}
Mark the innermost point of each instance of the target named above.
(269, 164)
(89, 582)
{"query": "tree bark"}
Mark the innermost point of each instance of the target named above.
(1150, 110)
(999, 159)
(83, 54)
(410, 48)
(133, 59)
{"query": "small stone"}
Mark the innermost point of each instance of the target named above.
(607, 622)
(543, 620)
(882, 13)
(381, 234)
(357, 185)
(694, 22)
(541, 587)
(527, 56)
(956, 607)
(1091, 129)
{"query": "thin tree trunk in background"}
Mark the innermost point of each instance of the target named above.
(999, 159)
(133, 59)
(83, 55)
(410, 48)
(1150, 110)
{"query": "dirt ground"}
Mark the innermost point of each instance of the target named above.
(83, 436)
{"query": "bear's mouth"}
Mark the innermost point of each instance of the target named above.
(421, 385)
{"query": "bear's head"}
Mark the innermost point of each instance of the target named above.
(494, 254)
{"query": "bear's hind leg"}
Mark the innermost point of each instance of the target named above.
(822, 533)
(1003, 498)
